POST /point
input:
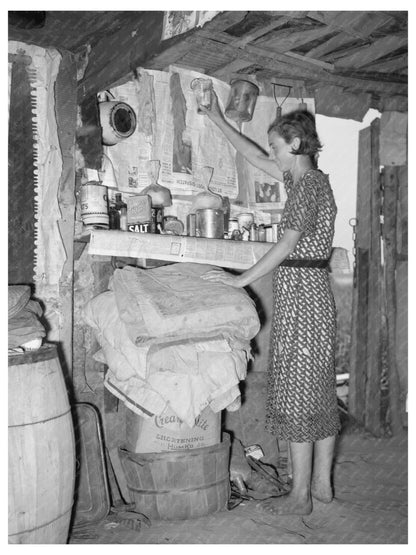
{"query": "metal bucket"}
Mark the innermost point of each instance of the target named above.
(210, 223)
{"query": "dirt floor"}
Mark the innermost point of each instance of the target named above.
(370, 507)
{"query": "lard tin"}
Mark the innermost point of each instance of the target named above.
(210, 223)
(94, 206)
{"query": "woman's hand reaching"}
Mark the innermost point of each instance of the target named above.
(214, 112)
(219, 276)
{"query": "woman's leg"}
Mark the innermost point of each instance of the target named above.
(298, 501)
(322, 466)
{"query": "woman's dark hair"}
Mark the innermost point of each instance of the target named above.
(301, 124)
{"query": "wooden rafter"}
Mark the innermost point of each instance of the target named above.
(283, 42)
(329, 45)
(259, 32)
(292, 68)
(367, 54)
(396, 63)
(359, 25)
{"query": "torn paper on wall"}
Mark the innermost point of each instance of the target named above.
(178, 22)
(169, 129)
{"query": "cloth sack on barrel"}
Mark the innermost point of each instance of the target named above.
(24, 327)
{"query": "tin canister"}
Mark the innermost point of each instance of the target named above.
(210, 223)
(94, 205)
(191, 225)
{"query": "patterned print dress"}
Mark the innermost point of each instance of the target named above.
(301, 401)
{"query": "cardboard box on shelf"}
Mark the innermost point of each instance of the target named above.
(167, 432)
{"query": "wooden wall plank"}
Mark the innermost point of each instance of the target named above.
(391, 186)
(373, 391)
(402, 289)
(358, 364)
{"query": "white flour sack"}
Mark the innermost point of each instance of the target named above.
(173, 303)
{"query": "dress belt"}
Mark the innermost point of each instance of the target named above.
(305, 263)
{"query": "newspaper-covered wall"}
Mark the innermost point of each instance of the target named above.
(169, 129)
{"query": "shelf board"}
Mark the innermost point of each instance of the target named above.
(225, 253)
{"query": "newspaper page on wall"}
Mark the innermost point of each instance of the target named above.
(170, 129)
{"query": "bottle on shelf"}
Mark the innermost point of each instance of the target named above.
(114, 216)
(121, 208)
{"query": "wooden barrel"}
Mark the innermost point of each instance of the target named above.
(41, 449)
(179, 485)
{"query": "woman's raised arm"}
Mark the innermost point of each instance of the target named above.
(250, 150)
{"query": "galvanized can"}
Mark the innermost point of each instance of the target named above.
(94, 206)
(191, 225)
(210, 223)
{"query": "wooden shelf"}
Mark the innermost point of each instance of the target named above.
(238, 255)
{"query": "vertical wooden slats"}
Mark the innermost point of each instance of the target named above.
(401, 286)
(380, 291)
(356, 400)
(373, 393)
(391, 187)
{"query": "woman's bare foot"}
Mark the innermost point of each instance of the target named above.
(322, 491)
(286, 505)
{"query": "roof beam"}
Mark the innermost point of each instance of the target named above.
(292, 68)
(356, 24)
(291, 39)
(377, 49)
(396, 63)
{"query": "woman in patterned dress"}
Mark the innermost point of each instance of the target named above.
(301, 399)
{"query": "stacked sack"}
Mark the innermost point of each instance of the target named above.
(25, 331)
(172, 339)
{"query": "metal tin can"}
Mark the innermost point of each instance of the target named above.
(210, 223)
(94, 206)
(191, 225)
